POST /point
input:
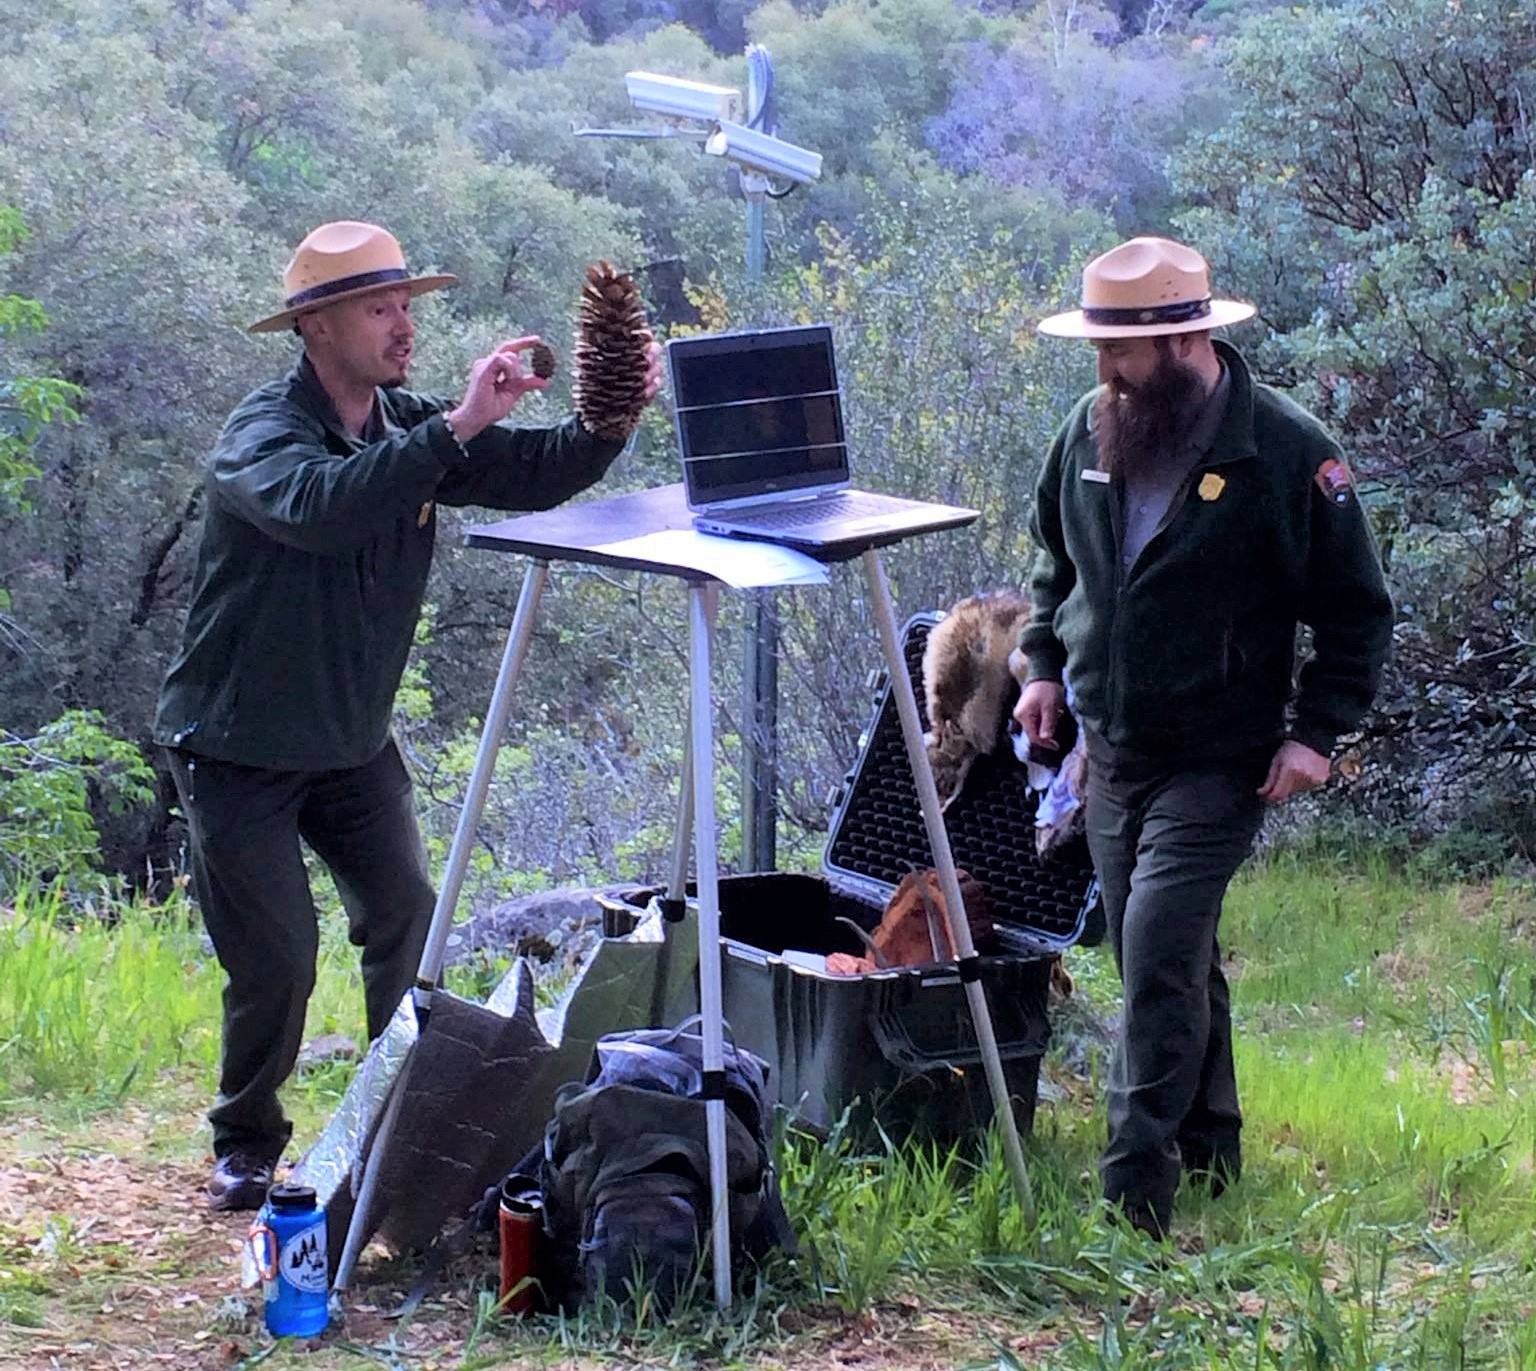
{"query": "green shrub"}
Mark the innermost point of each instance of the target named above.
(48, 784)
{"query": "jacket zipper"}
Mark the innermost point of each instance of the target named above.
(1111, 676)
(1112, 690)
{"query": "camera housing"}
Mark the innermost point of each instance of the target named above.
(761, 152)
(675, 98)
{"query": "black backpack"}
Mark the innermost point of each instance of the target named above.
(625, 1172)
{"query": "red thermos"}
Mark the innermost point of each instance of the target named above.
(521, 1229)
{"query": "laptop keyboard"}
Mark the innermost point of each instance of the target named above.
(804, 513)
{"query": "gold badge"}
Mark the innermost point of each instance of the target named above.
(1211, 485)
(426, 513)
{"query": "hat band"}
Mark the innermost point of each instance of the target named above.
(1180, 313)
(361, 281)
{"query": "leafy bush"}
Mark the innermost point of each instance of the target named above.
(27, 403)
(48, 784)
(1375, 193)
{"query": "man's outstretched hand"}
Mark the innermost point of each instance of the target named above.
(652, 369)
(1295, 770)
(500, 379)
(496, 383)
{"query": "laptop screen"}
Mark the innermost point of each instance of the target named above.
(757, 413)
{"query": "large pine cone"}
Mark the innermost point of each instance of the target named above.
(611, 337)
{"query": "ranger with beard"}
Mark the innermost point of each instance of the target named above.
(1186, 521)
(317, 539)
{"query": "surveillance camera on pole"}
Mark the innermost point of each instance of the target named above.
(763, 153)
(770, 169)
(674, 98)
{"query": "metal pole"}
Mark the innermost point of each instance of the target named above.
(757, 250)
(682, 832)
(431, 965)
(357, 1228)
(949, 883)
(702, 732)
(760, 734)
(518, 639)
(760, 662)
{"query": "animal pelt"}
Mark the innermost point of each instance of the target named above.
(913, 926)
(969, 667)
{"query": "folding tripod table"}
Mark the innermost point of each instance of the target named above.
(653, 531)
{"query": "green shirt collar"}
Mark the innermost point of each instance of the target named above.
(314, 397)
(1233, 441)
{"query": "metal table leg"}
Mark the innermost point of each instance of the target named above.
(682, 833)
(949, 883)
(701, 719)
(429, 969)
(512, 659)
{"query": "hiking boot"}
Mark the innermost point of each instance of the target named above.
(240, 1181)
(1142, 1217)
(1213, 1168)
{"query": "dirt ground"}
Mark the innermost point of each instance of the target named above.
(111, 1260)
(136, 1271)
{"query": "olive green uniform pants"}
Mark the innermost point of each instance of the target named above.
(244, 826)
(1166, 838)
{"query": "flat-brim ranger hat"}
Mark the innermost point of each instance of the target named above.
(1146, 288)
(339, 261)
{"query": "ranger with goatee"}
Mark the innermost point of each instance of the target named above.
(1186, 521)
(321, 514)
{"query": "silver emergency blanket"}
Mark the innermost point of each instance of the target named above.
(479, 1081)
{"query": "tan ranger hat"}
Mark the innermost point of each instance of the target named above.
(341, 260)
(1145, 288)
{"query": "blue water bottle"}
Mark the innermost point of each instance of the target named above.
(288, 1240)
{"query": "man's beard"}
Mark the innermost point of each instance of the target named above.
(1145, 425)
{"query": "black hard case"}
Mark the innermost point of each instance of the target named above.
(901, 1042)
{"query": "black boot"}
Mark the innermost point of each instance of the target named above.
(1213, 1167)
(240, 1181)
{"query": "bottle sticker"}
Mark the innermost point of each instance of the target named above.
(302, 1261)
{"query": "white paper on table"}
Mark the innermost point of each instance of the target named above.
(737, 562)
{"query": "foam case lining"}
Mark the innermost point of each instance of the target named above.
(900, 1042)
(877, 834)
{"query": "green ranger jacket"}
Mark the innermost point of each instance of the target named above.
(314, 559)
(1192, 651)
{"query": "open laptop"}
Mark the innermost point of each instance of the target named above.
(760, 423)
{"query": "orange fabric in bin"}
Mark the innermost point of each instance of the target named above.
(903, 937)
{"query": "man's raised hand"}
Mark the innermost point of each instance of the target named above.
(497, 382)
(652, 369)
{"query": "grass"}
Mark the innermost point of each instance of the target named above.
(1386, 1051)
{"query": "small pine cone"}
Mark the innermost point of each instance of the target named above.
(541, 361)
(611, 338)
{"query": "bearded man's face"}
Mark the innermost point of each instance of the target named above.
(1150, 401)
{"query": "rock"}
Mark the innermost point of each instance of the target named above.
(330, 1047)
(542, 925)
(1080, 1036)
(1048, 1092)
